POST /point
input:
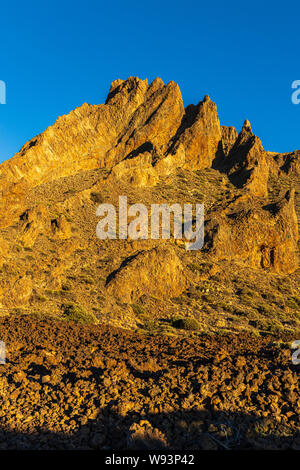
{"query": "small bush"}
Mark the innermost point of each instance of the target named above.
(186, 324)
(226, 306)
(266, 310)
(138, 309)
(240, 312)
(179, 300)
(150, 325)
(97, 198)
(269, 296)
(271, 326)
(209, 298)
(194, 267)
(78, 314)
(293, 302)
(87, 279)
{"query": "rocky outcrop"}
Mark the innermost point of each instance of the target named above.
(288, 163)
(141, 133)
(262, 236)
(32, 224)
(139, 136)
(157, 272)
(135, 115)
(145, 168)
(247, 164)
(199, 134)
(37, 221)
(137, 171)
(22, 291)
(160, 146)
(152, 124)
(229, 137)
(139, 126)
(61, 228)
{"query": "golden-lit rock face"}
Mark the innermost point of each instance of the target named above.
(140, 133)
(265, 236)
(157, 272)
(143, 143)
(247, 163)
(200, 134)
(229, 137)
(137, 117)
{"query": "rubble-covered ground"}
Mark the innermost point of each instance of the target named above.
(70, 386)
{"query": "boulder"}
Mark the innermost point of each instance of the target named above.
(157, 272)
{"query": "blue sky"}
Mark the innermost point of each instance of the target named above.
(56, 55)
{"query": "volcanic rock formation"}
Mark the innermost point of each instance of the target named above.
(144, 143)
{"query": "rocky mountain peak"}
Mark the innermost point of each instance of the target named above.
(247, 128)
(143, 139)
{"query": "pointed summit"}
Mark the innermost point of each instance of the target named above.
(248, 166)
(245, 136)
(246, 129)
(206, 98)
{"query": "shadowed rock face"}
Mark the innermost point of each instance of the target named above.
(288, 163)
(142, 142)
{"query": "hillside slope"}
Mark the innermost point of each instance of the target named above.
(144, 144)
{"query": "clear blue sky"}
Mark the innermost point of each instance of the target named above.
(55, 55)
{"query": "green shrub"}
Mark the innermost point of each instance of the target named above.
(194, 267)
(240, 312)
(293, 302)
(271, 326)
(97, 198)
(179, 300)
(66, 286)
(87, 279)
(266, 310)
(209, 298)
(186, 324)
(78, 314)
(150, 325)
(269, 296)
(274, 327)
(226, 306)
(297, 299)
(138, 309)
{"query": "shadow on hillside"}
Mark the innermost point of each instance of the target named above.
(185, 430)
